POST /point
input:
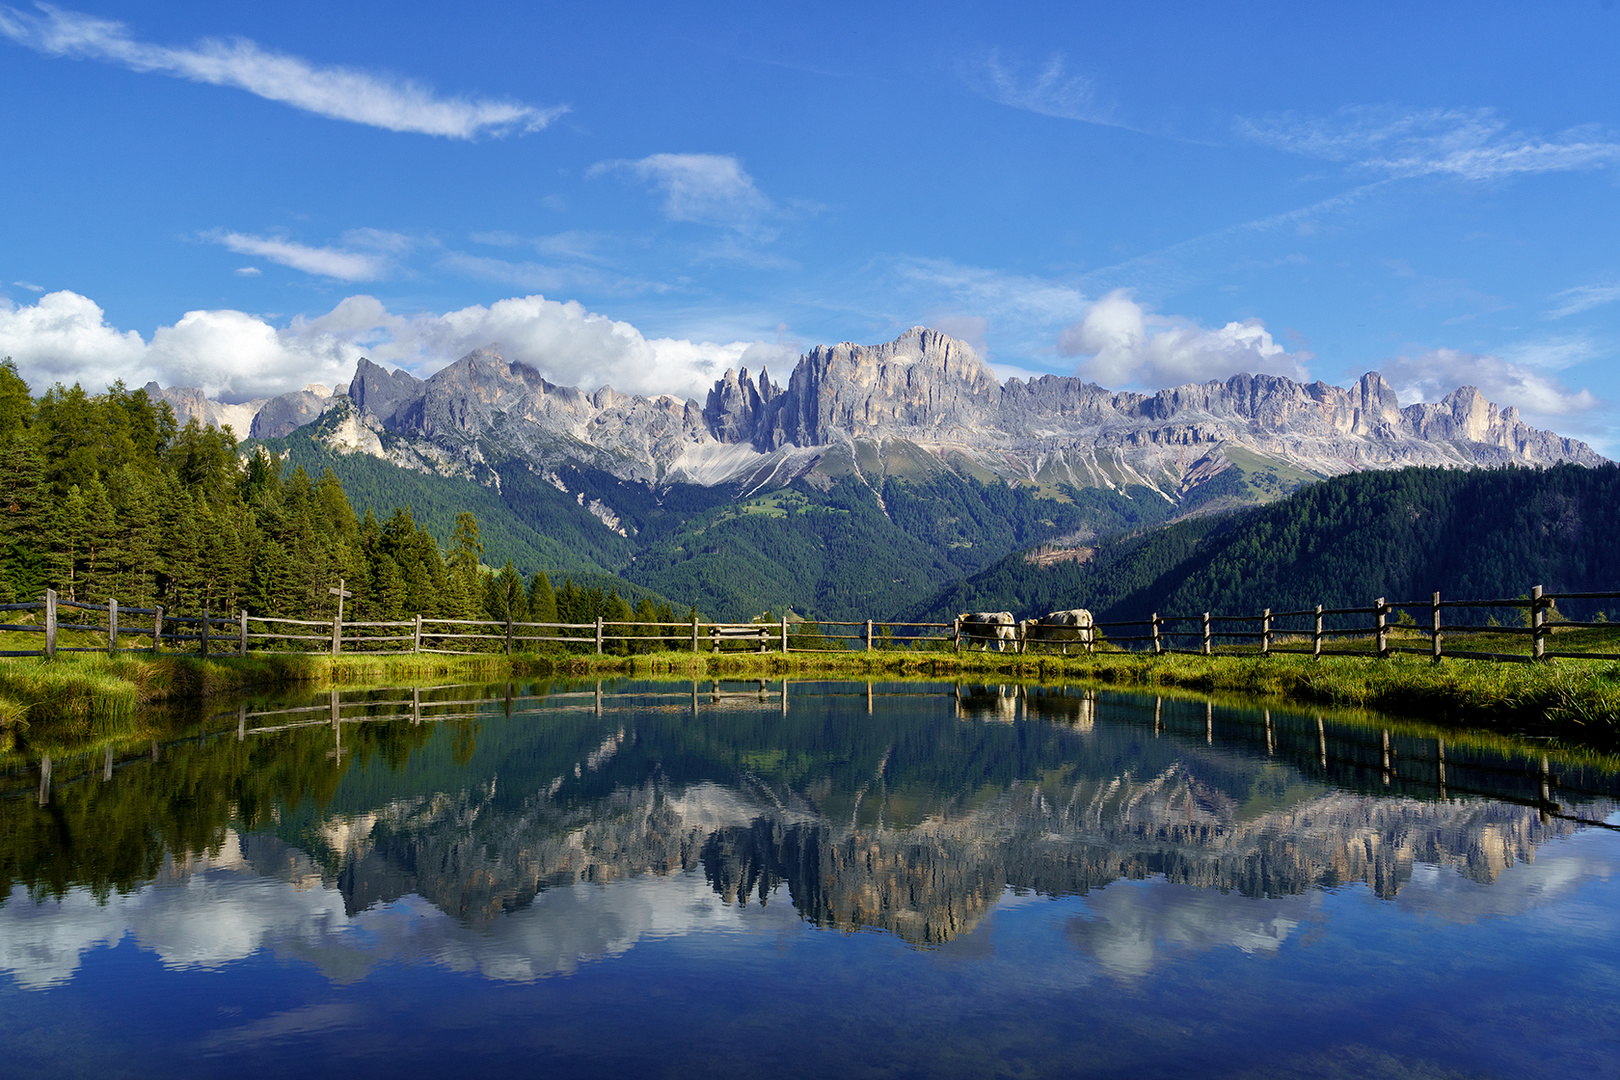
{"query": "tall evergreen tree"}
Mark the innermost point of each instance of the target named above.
(542, 600)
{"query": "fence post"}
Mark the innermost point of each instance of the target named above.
(599, 635)
(695, 633)
(241, 633)
(337, 635)
(784, 636)
(1316, 635)
(1265, 632)
(868, 635)
(157, 629)
(1538, 624)
(1208, 644)
(112, 627)
(509, 634)
(205, 632)
(1381, 627)
(1434, 626)
(416, 640)
(50, 627)
(1153, 623)
(956, 634)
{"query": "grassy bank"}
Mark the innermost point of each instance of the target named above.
(1575, 701)
(88, 695)
(1578, 702)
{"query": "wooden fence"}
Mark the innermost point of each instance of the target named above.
(1288, 631)
(1266, 633)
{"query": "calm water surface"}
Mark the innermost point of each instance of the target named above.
(902, 880)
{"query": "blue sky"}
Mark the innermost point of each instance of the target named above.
(248, 197)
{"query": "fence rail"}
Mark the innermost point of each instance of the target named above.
(242, 632)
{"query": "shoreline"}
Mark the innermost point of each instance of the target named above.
(1574, 702)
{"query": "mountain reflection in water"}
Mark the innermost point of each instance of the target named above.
(481, 843)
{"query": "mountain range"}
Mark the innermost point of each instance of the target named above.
(874, 475)
(922, 402)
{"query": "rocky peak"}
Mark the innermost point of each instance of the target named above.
(284, 414)
(923, 379)
(734, 406)
(381, 393)
(927, 395)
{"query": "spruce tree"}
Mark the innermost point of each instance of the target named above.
(542, 600)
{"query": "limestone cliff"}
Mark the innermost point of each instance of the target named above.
(868, 406)
(920, 403)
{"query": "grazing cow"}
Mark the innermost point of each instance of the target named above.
(987, 626)
(1060, 626)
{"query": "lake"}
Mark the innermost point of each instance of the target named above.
(816, 879)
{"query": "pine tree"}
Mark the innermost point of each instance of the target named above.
(615, 610)
(542, 600)
(25, 510)
(69, 530)
(101, 544)
(504, 597)
(463, 579)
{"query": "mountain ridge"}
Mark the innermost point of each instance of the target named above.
(922, 403)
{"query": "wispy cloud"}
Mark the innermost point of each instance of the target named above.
(1576, 300)
(344, 264)
(1432, 375)
(1164, 268)
(29, 285)
(707, 189)
(546, 278)
(1472, 144)
(340, 93)
(1049, 89)
(248, 271)
(995, 293)
(575, 244)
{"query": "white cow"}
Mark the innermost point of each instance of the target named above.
(1075, 624)
(987, 626)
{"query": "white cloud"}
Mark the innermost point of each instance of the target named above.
(344, 265)
(341, 93)
(65, 337)
(248, 271)
(1436, 373)
(29, 285)
(235, 356)
(708, 189)
(1472, 144)
(1049, 89)
(567, 344)
(1576, 300)
(1129, 347)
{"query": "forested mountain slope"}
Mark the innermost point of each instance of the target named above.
(833, 549)
(1471, 534)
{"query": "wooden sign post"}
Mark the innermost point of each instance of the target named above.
(337, 624)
